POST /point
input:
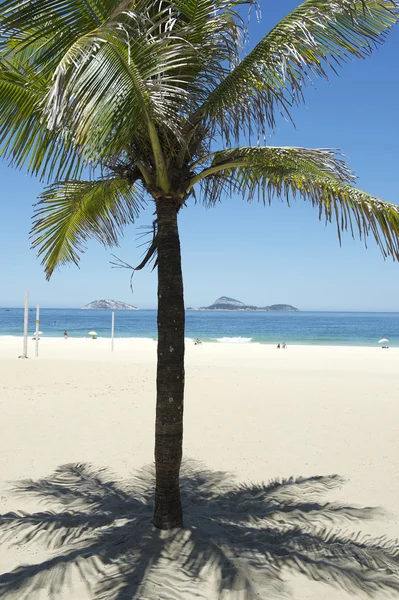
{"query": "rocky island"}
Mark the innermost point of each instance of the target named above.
(226, 303)
(108, 305)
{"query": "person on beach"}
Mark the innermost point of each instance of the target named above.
(197, 342)
(284, 346)
(65, 335)
(278, 346)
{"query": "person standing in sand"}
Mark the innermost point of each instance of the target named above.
(65, 335)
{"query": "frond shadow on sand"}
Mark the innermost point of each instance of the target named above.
(238, 540)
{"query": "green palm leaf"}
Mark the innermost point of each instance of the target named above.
(118, 75)
(105, 90)
(216, 31)
(24, 137)
(316, 37)
(57, 22)
(71, 212)
(287, 159)
(318, 176)
(97, 78)
(41, 32)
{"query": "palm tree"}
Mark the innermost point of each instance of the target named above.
(150, 98)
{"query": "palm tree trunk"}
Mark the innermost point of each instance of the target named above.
(170, 369)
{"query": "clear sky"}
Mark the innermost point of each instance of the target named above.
(260, 255)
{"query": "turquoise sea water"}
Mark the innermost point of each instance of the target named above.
(319, 328)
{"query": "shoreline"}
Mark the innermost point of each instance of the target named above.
(221, 341)
(144, 350)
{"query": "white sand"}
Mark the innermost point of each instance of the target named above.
(251, 410)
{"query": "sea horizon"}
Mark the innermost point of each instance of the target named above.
(33, 308)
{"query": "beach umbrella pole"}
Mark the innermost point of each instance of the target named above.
(37, 331)
(112, 331)
(26, 315)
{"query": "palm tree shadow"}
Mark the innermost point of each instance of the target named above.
(238, 539)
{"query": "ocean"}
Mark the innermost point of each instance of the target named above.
(316, 328)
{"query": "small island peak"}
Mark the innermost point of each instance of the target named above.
(108, 305)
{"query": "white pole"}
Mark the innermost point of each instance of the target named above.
(112, 331)
(37, 331)
(26, 315)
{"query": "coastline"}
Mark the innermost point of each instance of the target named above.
(137, 349)
(9, 344)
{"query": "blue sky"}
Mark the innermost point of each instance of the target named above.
(260, 255)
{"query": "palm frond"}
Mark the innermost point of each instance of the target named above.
(155, 57)
(315, 175)
(315, 39)
(71, 212)
(71, 14)
(50, 26)
(24, 136)
(108, 78)
(286, 158)
(105, 88)
(217, 32)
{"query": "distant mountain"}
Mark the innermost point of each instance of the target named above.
(108, 305)
(226, 303)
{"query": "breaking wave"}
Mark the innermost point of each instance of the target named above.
(234, 340)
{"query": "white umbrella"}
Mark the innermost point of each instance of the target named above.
(92, 333)
(383, 341)
(39, 333)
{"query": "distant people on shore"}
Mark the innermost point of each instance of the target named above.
(283, 346)
(197, 342)
(65, 335)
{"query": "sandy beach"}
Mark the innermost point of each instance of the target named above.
(252, 411)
